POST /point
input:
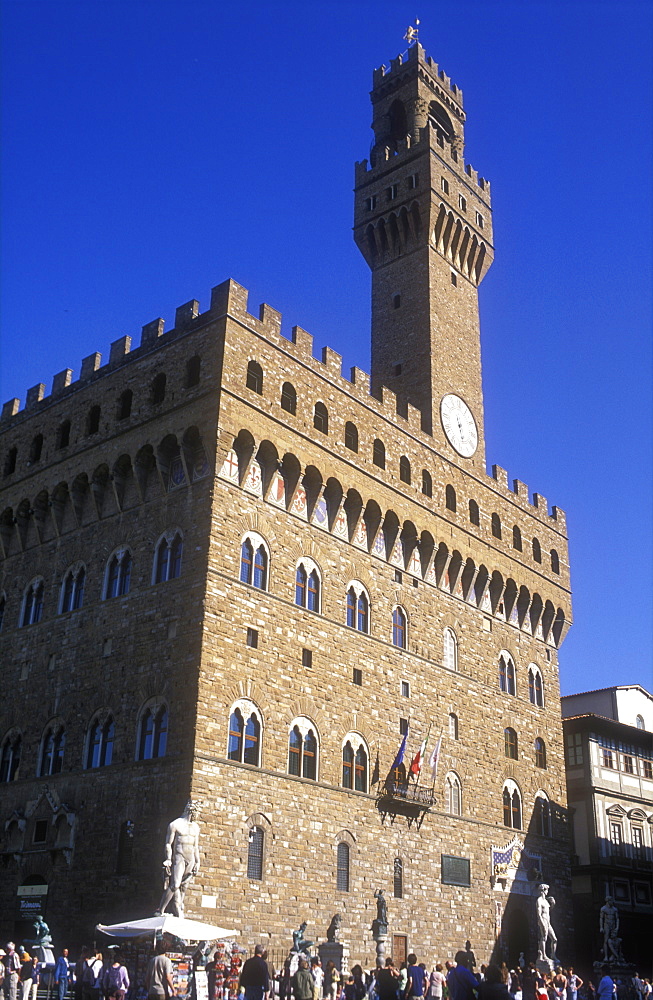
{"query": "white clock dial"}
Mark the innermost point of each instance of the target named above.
(459, 425)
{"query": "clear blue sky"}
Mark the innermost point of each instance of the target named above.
(153, 149)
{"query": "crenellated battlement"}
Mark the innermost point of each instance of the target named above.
(230, 299)
(417, 54)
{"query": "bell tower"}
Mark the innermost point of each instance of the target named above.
(423, 222)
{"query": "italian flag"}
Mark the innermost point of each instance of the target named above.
(416, 765)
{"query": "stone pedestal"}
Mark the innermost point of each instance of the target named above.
(380, 935)
(336, 952)
(544, 966)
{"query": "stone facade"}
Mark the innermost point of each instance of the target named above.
(249, 439)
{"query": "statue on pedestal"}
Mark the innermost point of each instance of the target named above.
(381, 911)
(545, 932)
(182, 858)
(609, 925)
(300, 945)
(334, 927)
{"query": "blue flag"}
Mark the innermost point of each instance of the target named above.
(402, 749)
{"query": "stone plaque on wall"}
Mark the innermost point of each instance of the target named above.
(455, 871)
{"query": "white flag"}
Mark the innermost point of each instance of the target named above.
(434, 758)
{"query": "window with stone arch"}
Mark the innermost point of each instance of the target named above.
(496, 526)
(303, 748)
(32, 608)
(399, 628)
(537, 550)
(72, 589)
(535, 686)
(308, 585)
(255, 851)
(453, 794)
(639, 721)
(378, 454)
(289, 398)
(355, 760)
(351, 436)
(254, 379)
(53, 744)
(427, 483)
(512, 808)
(404, 469)
(254, 560)
(510, 743)
(99, 741)
(542, 814)
(516, 538)
(167, 556)
(358, 607)
(450, 500)
(321, 418)
(453, 726)
(245, 729)
(117, 576)
(450, 649)
(555, 562)
(343, 865)
(152, 732)
(10, 753)
(540, 752)
(474, 513)
(507, 674)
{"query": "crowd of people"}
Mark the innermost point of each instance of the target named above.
(90, 978)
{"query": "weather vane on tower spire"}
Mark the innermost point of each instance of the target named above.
(412, 33)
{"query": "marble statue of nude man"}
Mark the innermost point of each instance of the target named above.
(182, 858)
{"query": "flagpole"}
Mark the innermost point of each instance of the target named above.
(438, 760)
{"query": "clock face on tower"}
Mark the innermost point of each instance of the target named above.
(459, 425)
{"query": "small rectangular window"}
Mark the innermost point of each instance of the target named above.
(462, 203)
(397, 370)
(648, 768)
(415, 582)
(454, 155)
(358, 677)
(628, 764)
(370, 203)
(403, 727)
(307, 658)
(405, 689)
(608, 760)
(40, 831)
(454, 278)
(413, 181)
(252, 638)
(391, 192)
(398, 576)
(479, 220)
(444, 183)
(396, 301)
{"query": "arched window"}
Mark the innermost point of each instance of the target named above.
(302, 749)
(453, 726)
(516, 538)
(167, 559)
(288, 398)
(244, 734)
(358, 608)
(33, 603)
(125, 404)
(511, 805)
(93, 421)
(354, 763)
(10, 461)
(404, 469)
(399, 628)
(474, 514)
(72, 589)
(507, 680)
(193, 371)
(36, 448)
(398, 879)
(153, 733)
(450, 657)
(342, 875)
(453, 794)
(254, 560)
(450, 498)
(321, 418)
(540, 753)
(378, 454)
(555, 562)
(351, 436)
(535, 687)
(99, 749)
(510, 743)
(10, 757)
(639, 721)
(496, 526)
(427, 483)
(542, 815)
(255, 853)
(118, 574)
(254, 380)
(307, 585)
(158, 388)
(63, 434)
(537, 551)
(52, 750)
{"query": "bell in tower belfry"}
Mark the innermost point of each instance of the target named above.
(423, 222)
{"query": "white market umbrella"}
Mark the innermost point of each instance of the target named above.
(167, 923)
